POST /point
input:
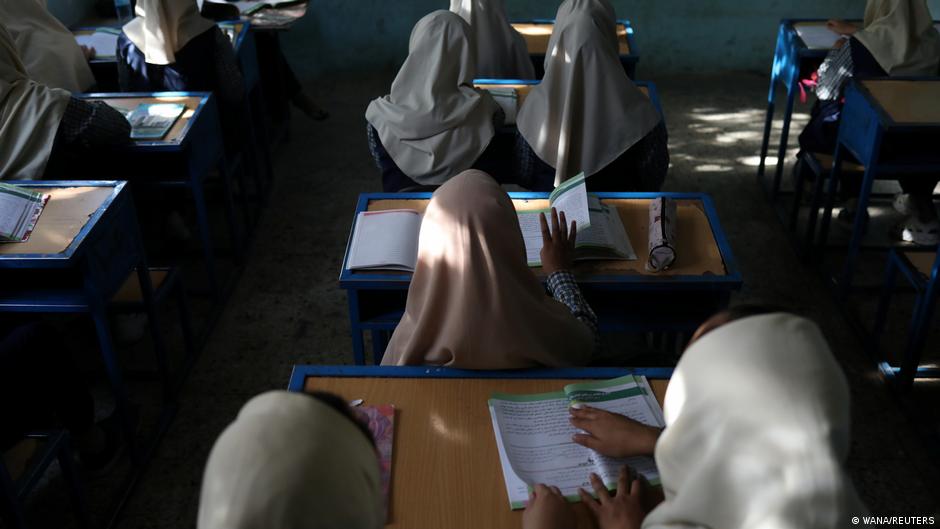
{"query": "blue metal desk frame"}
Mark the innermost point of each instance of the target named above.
(628, 61)
(198, 150)
(301, 373)
(717, 289)
(861, 131)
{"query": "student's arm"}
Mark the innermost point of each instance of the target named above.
(92, 124)
(231, 84)
(557, 258)
(547, 509)
(611, 434)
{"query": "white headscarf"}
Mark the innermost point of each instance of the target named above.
(586, 112)
(29, 116)
(901, 36)
(163, 27)
(46, 47)
(434, 123)
(501, 50)
(757, 431)
(290, 461)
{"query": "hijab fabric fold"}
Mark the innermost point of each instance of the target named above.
(586, 112)
(162, 27)
(434, 123)
(290, 461)
(901, 36)
(757, 431)
(473, 301)
(501, 51)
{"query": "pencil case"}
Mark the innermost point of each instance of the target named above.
(662, 234)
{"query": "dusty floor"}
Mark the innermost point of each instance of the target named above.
(287, 308)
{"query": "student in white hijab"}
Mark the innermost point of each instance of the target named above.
(757, 434)
(501, 50)
(898, 38)
(292, 461)
(43, 127)
(434, 123)
(586, 115)
(47, 48)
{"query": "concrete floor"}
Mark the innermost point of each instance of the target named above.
(287, 308)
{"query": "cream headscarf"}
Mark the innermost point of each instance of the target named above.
(901, 36)
(29, 116)
(291, 462)
(434, 123)
(46, 47)
(501, 50)
(586, 112)
(757, 431)
(473, 302)
(163, 27)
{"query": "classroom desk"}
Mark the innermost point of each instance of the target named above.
(183, 158)
(445, 466)
(623, 294)
(524, 86)
(538, 31)
(876, 111)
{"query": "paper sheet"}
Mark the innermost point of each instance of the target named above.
(104, 43)
(817, 36)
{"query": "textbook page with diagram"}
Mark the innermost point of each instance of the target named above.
(533, 436)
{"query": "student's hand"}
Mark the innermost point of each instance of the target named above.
(88, 52)
(842, 27)
(547, 509)
(611, 434)
(558, 245)
(621, 511)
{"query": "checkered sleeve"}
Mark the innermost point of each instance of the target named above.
(563, 287)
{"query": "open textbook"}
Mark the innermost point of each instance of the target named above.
(817, 36)
(385, 240)
(151, 121)
(249, 7)
(103, 40)
(533, 436)
(19, 211)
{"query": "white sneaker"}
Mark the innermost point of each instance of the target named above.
(902, 204)
(921, 233)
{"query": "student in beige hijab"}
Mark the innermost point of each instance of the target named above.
(586, 115)
(47, 48)
(757, 434)
(473, 301)
(501, 50)
(42, 126)
(434, 123)
(292, 461)
(897, 38)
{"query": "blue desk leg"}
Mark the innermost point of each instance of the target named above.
(785, 133)
(858, 230)
(355, 327)
(920, 324)
(768, 125)
(815, 202)
(156, 331)
(887, 292)
(202, 219)
(834, 176)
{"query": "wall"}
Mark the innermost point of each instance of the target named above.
(70, 12)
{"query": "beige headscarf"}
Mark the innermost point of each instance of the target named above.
(501, 50)
(291, 462)
(901, 36)
(757, 431)
(473, 302)
(586, 112)
(163, 27)
(29, 116)
(434, 123)
(46, 47)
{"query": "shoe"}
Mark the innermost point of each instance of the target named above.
(920, 233)
(902, 204)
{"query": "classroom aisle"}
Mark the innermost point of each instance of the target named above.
(288, 309)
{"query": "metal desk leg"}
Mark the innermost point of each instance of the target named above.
(355, 328)
(814, 204)
(830, 202)
(858, 231)
(920, 324)
(784, 134)
(205, 234)
(379, 343)
(768, 126)
(156, 331)
(887, 292)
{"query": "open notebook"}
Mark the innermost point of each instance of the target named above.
(103, 40)
(151, 121)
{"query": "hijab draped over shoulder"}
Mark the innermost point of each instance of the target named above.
(434, 123)
(586, 112)
(757, 431)
(473, 301)
(901, 36)
(162, 27)
(46, 47)
(501, 50)
(30, 114)
(290, 461)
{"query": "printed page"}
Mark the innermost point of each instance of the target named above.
(153, 121)
(531, 228)
(606, 231)
(19, 211)
(817, 36)
(516, 489)
(571, 197)
(385, 240)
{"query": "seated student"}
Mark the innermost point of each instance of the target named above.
(473, 301)
(292, 461)
(434, 123)
(43, 128)
(586, 115)
(501, 50)
(47, 48)
(757, 432)
(898, 38)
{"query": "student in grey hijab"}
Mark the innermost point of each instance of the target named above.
(501, 50)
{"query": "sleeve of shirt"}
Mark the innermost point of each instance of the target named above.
(92, 124)
(564, 288)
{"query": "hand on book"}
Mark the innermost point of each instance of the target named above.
(841, 27)
(547, 509)
(623, 510)
(611, 434)
(557, 244)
